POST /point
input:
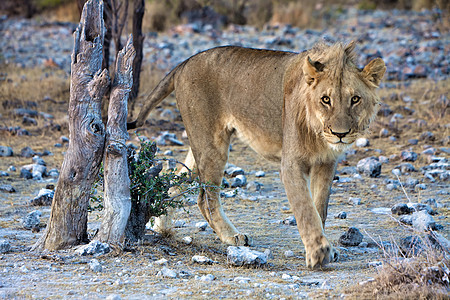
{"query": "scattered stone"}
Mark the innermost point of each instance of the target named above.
(3, 174)
(207, 277)
(225, 183)
(406, 168)
(12, 169)
(369, 166)
(38, 160)
(6, 151)
(427, 136)
(113, 297)
(44, 198)
(384, 132)
(179, 223)
(411, 182)
(32, 220)
(352, 237)
(161, 261)
(167, 273)
(234, 171)
(95, 248)
(7, 188)
(401, 209)
(396, 172)
(408, 156)
(58, 145)
(241, 280)
(354, 201)
(253, 186)
(53, 173)
(201, 226)
(203, 260)
(168, 153)
(363, 245)
(290, 221)
(260, 174)
(420, 187)
(362, 142)
(187, 240)
(95, 265)
(288, 253)
(239, 181)
(391, 186)
(406, 219)
(5, 246)
(268, 253)
(341, 215)
(240, 256)
(413, 141)
(26, 174)
(348, 170)
(27, 152)
(420, 207)
(422, 221)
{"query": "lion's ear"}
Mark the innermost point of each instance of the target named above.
(312, 70)
(374, 71)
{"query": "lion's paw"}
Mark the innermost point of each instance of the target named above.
(321, 253)
(238, 239)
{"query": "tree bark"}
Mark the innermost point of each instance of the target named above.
(138, 42)
(117, 202)
(67, 225)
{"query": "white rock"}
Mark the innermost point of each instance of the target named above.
(167, 273)
(161, 261)
(242, 279)
(362, 142)
(187, 240)
(208, 277)
(95, 265)
(201, 225)
(260, 174)
(203, 260)
(288, 253)
(354, 201)
(239, 256)
(179, 223)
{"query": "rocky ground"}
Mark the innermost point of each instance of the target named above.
(391, 185)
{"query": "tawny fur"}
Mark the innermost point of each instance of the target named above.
(298, 109)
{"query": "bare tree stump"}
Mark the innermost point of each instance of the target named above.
(67, 225)
(117, 202)
(138, 42)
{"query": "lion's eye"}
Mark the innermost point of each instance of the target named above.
(326, 100)
(355, 99)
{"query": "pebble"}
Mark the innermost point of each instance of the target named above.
(95, 265)
(6, 151)
(369, 166)
(7, 188)
(242, 280)
(201, 226)
(244, 256)
(95, 248)
(253, 186)
(422, 221)
(3, 174)
(396, 172)
(384, 132)
(113, 297)
(290, 221)
(260, 174)
(168, 153)
(161, 261)
(167, 273)
(341, 215)
(32, 220)
(5, 246)
(420, 187)
(26, 174)
(362, 142)
(406, 168)
(187, 240)
(239, 181)
(45, 197)
(408, 156)
(27, 152)
(288, 253)
(351, 238)
(401, 209)
(234, 171)
(207, 277)
(354, 201)
(179, 223)
(268, 253)
(203, 260)
(12, 169)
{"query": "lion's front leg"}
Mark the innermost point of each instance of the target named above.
(321, 179)
(295, 177)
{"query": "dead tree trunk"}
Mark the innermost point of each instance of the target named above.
(67, 225)
(117, 200)
(138, 41)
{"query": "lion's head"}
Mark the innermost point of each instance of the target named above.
(341, 99)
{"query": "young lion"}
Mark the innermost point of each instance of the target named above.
(298, 109)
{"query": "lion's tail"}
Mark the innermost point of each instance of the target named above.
(161, 91)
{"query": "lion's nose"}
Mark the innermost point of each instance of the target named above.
(340, 134)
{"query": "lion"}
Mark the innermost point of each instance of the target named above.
(301, 110)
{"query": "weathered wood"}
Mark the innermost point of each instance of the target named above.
(67, 225)
(138, 42)
(117, 202)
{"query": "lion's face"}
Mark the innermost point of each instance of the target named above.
(342, 101)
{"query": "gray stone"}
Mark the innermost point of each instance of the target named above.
(420, 187)
(27, 152)
(239, 181)
(12, 169)
(413, 141)
(225, 183)
(391, 186)
(5, 246)
(167, 273)
(187, 240)
(421, 206)
(411, 182)
(243, 256)
(7, 188)
(408, 156)
(32, 220)
(406, 219)
(422, 221)
(384, 132)
(406, 168)
(401, 209)
(203, 260)
(253, 186)
(260, 174)
(352, 237)
(290, 221)
(362, 142)
(3, 174)
(113, 297)
(168, 153)
(207, 277)
(234, 171)
(179, 223)
(396, 172)
(369, 166)
(38, 160)
(288, 253)
(268, 253)
(201, 226)
(95, 265)
(341, 215)
(93, 248)
(6, 151)
(24, 173)
(45, 197)
(354, 201)
(348, 171)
